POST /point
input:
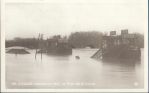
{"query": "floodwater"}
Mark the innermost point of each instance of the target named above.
(67, 72)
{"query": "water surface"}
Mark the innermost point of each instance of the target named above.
(24, 71)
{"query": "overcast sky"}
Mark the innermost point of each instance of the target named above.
(26, 19)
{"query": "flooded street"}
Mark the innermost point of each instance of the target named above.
(24, 71)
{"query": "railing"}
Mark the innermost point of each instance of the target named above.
(98, 54)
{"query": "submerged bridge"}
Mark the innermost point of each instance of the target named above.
(118, 46)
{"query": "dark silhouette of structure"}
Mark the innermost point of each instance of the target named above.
(119, 46)
(55, 46)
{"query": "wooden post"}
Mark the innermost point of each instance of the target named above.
(37, 44)
(41, 47)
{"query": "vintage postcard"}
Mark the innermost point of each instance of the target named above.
(74, 46)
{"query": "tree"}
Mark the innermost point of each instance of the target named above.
(140, 40)
(84, 39)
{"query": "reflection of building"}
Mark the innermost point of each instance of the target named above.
(119, 46)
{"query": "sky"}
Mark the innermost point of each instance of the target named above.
(28, 18)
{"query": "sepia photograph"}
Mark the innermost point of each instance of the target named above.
(98, 45)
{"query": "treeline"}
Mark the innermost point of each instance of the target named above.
(85, 39)
(140, 40)
(94, 39)
(91, 39)
(31, 43)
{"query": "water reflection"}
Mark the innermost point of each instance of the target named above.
(128, 64)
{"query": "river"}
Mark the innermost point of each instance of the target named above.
(67, 72)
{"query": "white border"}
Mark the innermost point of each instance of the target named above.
(3, 46)
(3, 88)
